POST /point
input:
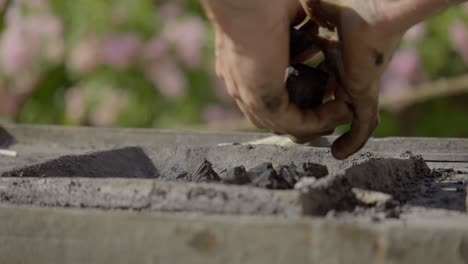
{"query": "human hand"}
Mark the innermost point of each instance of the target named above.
(367, 41)
(252, 55)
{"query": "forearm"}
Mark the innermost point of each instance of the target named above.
(405, 13)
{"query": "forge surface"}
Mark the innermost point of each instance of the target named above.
(123, 189)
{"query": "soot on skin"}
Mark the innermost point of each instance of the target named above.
(306, 85)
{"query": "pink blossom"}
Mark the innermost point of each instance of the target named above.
(2, 4)
(17, 50)
(215, 114)
(85, 57)
(109, 109)
(35, 3)
(120, 51)
(75, 104)
(403, 71)
(188, 36)
(45, 25)
(168, 78)
(47, 30)
(405, 65)
(459, 39)
(416, 33)
(169, 11)
(154, 50)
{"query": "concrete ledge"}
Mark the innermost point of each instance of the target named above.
(149, 195)
(45, 235)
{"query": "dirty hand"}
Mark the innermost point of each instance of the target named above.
(252, 55)
(369, 33)
(365, 47)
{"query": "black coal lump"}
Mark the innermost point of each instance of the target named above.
(290, 174)
(265, 176)
(205, 173)
(299, 42)
(306, 86)
(313, 169)
(236, 175)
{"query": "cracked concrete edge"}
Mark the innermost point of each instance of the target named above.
(149, 195)
(51, 235)
(79, 137)
(166, 196)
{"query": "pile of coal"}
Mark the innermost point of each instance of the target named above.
(263, 176)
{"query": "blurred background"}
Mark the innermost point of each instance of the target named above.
(149, 63)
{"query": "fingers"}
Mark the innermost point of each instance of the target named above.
(363, 126)
(302, 124)
(366, 120)
(324, 12)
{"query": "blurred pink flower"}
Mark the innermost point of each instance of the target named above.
(215, 114)
(27, 38)
(17, 50)
(168, 78)
(188, 37)
(2, 4)
(108, 110)
(404, 70)
(169, 11)
(416, 33)
(120, 51)
(48, 30)
(36, 3)
(459, 39)
(85, 57)
(75, 102)
(154, 50)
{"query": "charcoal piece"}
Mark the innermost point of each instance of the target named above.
(265, 176)
(265, 180)
(306, 86)
(289, 174)
(6, 139)
(299, 42)
(205, 173)
(236, 175)
(258, 170)
(129, 162)
(313, 170)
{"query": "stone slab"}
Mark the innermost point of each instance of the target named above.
(50, 235)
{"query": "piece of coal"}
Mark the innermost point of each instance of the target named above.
(289, 174)
(313, 169)
(265, 176)
(129, 162)
(236, 175)
(306, 86)
(256, 171)
(299, 42)
(6, 139)
(205, 173)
